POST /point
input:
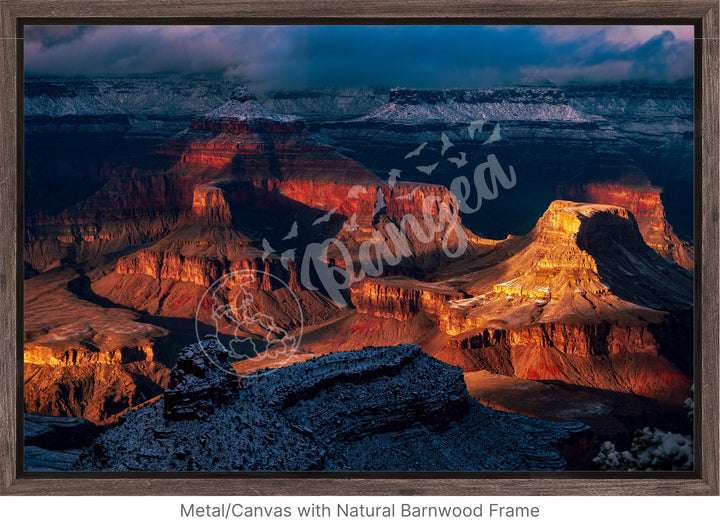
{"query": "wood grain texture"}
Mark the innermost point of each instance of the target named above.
(375, 9)
(704, 12)
(8, 248)
(710, 247)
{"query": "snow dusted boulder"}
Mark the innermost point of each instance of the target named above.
(371, 391)
(201, 380)
(375, 409)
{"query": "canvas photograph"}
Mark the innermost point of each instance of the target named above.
(358, 248)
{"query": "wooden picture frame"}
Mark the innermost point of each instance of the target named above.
(701, 13)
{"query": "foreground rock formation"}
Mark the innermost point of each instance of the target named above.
(391, 408)
(54, 443)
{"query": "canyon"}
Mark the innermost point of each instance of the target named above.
(577, 286)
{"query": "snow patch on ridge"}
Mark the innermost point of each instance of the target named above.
(243, 106)
(499, 104)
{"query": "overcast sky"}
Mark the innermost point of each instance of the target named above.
(286, 57)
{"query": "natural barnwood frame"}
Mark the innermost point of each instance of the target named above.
(702, 13)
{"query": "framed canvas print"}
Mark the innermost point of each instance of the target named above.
(400, 248)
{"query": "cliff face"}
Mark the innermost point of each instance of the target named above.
(210, 206)
(82, 359)
(168, 265)
(624, 357)
(626, 186)
(402, 298)
(40, 354)
(99, 392)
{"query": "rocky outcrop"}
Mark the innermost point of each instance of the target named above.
(201, 380)
(210, 206)
(391, 408)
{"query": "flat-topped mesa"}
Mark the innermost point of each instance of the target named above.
(548, 94)
(645, 202)
(589, 227)
(568, 235)
(210, 206)
(595, 249)
(450, 106)
(581, 262)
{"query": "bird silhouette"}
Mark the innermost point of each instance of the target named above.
(446, 144)
(286, 257)
(393, 176)
(351, 225)
(427, 169)
(293, 232)
(475, 125)
(380, 203)
(354, 192)
(325, 217)
(459, 161)
(267, 249)
(416, 151)
(495, 136)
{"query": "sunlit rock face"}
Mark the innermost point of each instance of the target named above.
(645, 204)
(580, 299)
(402, 298)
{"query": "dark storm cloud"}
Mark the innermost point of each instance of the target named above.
(313, 56)
(49, 36)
